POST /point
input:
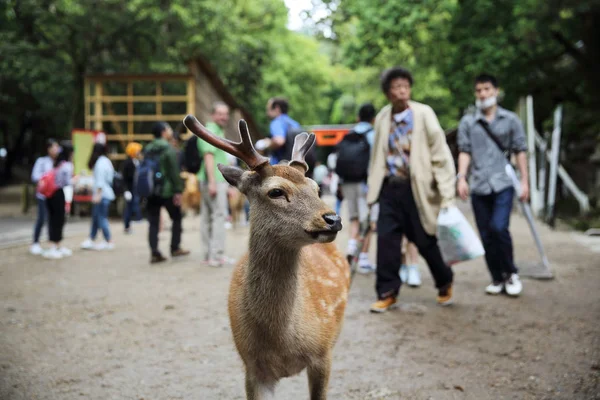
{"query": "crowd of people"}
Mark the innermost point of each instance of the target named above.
(393, 170)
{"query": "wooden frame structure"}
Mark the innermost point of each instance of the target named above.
(99, 101)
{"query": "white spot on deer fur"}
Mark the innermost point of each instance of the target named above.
(327, 307)
(325, 282)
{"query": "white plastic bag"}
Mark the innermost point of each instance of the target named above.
(456, 238)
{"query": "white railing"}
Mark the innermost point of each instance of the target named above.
(535, 141)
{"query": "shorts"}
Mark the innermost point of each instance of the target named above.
(355, 197)
(374, 216)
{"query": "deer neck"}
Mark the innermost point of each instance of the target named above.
(272, 279)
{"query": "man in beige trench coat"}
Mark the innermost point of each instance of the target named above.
(412, 176)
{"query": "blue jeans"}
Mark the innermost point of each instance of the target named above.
(40, 220)
(132, 209)
(492, 214)
(100, 219)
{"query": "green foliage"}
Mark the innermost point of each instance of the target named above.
(546, 48)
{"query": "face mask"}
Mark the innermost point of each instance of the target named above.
(485, 104)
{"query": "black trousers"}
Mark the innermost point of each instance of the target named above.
(398, 216)
(56, 215)
(153, 208)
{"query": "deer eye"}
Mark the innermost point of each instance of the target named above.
(276, 193)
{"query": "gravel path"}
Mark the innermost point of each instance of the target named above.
(110, 326)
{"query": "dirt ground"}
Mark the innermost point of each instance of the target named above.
(110, 326)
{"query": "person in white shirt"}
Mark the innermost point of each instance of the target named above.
(42, 166)
(103, 195)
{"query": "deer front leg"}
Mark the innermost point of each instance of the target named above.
(258, 391)
(318, 378)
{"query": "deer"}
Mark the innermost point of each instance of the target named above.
(288, 293)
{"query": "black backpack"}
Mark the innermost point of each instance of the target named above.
(192, 159)
(311, 156)
(118, 183)
(353, 154)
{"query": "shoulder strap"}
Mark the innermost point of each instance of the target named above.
(487, 130)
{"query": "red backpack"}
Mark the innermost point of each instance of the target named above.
(46, 186)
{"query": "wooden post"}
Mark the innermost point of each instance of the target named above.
(159, 98)
(554, 165)
(98, 106)
(129, 111)
(535, 194)
(191, 96)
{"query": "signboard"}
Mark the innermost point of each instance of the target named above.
(83, 144)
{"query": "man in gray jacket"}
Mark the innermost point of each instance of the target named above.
(485, 142)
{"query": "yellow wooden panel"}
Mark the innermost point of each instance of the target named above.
(113, 137)
(141, 99)
(147, 117)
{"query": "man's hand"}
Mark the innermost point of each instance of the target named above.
(177, 199)
(524, 191)
(463, 189)
(212, 189)
(96, 198)
(262, 144)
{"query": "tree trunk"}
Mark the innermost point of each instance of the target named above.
(78, 104)
(16, 152)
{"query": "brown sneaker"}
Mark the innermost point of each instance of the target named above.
(444, 297)
(180, 252)
(157, 258)
(381, 306)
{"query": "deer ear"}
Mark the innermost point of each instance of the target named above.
(233, 175)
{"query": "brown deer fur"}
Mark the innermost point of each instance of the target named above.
(288, 293)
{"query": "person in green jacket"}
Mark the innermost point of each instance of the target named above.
(170, 196)
(214, 190)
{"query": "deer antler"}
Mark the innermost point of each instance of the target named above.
(243, 150)
(302, 144)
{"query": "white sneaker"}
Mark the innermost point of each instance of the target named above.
(104, 246)
(403, 273)
(352, 245)
(53, 253)
(494, 288)
(87, 244)
(66, 252)
(36, 249)
(364, 266)
(228, 225)
(414, 277)
(513, 285)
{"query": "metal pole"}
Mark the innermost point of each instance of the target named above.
(535, 194)
(543, 147)
(554, 164)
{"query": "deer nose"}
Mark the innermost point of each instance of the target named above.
(334, 222)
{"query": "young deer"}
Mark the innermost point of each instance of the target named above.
(288, 294)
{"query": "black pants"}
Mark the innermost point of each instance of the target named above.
(398, 216)
(153, 207)
(56, 215)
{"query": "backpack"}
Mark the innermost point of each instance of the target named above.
(192, 159)
(118, 184)
(47, 186)
(353, 154)
(148, 179)
(311, 156)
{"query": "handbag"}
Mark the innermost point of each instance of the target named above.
(456, 238)
(506, 152)
(510, 170)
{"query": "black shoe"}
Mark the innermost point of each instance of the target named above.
(157, 258)
(179, 252)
